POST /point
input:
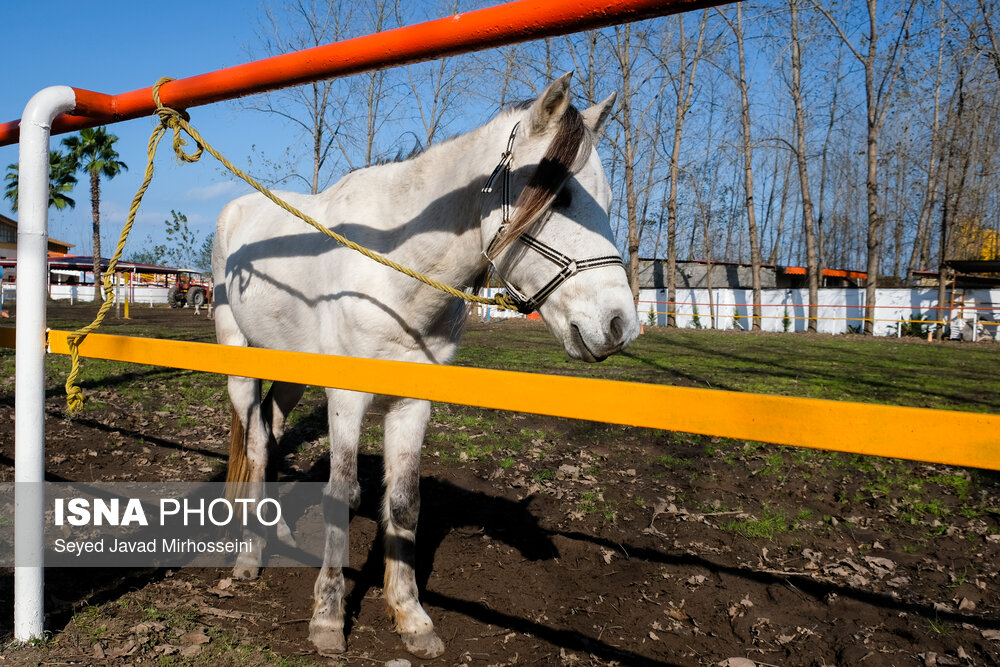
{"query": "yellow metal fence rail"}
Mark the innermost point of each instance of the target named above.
(934, 436)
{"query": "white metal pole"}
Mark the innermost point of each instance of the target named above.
(29, 390)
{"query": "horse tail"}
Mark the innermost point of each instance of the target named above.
(238, 472)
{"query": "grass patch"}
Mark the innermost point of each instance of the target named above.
(955, 483)
(594, 502)
(543, 475)
(771, 524)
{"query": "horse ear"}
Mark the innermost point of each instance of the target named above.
(550, 105)
(597, 116)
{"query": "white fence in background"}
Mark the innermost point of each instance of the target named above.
(841, 310)
(142, 296)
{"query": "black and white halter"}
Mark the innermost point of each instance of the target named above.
(568, 267)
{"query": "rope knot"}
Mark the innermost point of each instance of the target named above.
(507, 302)
(176, 120)
(74, 399)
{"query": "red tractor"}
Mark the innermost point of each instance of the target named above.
(191, 289)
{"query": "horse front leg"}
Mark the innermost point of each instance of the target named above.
(345, 410)
(405, 424)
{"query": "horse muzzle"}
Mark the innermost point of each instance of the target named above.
(592, 342)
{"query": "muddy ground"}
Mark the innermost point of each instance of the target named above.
(572, 544)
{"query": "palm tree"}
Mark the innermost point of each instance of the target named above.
(62, 178)
(93, 151)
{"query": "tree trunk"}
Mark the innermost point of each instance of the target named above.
(773, 257)
(317, 131)
(821, 218)
(812, 263)
(755, 260)
(684, 90)
(95, 208)
(943, 314)
(874, 238)
(953, 194)
(623, 35)
(921, 239)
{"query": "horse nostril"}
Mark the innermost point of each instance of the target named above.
(616, 328)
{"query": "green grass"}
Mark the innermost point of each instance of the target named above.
(543, 475)
(957, 484)
(92, 622)
(770, 525)
(595, 502)
(876, 370)
(668, 461)
(938, 628)
(880, 370)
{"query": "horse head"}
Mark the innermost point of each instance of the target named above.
(546, 230)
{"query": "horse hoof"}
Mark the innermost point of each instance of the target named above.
(424, 645)
(246, 573)
(328, 642)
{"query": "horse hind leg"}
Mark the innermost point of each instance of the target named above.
(274, 410)
(281, 398)
(248, 438)
(405, 424)
(244, 394)
(249, 447)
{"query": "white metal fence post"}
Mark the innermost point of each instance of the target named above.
(29, 391)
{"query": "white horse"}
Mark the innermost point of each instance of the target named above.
(448, 213)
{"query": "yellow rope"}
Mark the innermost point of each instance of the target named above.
(178, 122)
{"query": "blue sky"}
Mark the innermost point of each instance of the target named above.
(114, 47)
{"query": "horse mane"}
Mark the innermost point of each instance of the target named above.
(566, 155)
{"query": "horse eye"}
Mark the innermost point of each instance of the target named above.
(563, 199)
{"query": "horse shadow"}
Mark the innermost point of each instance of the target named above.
(445, 508)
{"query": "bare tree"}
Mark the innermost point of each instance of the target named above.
(372, 85)
(631, 117)
(832, 109)
(682, 82)
(436, 87)
(957, 160)
(303, 24)
(747, 146)
(584, 51)
(993, 51)
(878, 93)
(921, 239)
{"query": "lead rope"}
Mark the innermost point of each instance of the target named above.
(178, 121)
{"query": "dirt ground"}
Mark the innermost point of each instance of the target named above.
(579, 544)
